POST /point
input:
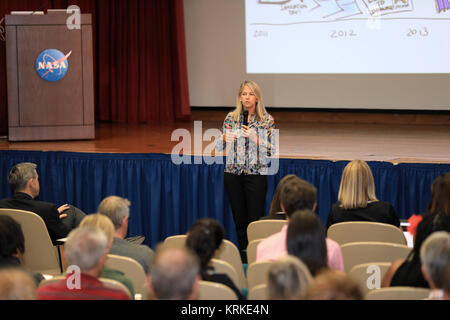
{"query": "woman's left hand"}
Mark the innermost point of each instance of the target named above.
(250, 133)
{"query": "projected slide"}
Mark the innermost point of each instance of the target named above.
(348, 36)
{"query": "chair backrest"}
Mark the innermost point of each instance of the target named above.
(110, 283)
(221, 266)
(263, 228)
(51, 280)
(369, 275)
(258, 292)
(229, 252)
(176, 241)
(132, 269)
(398, 293)
(355, 253)
(215, 291)
(251, 250)
(40, 254)
(257, 273)
(356, 231)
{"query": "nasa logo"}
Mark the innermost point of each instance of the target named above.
(52, 65)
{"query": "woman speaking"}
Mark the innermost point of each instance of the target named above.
(248, 136)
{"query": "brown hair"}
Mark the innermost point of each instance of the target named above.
(275, 206)
(333, 285)
(440, 194)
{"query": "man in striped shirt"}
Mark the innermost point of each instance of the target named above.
(85, 252)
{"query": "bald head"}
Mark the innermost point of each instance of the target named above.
(174, 273)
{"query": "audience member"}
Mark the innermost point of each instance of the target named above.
(440, 201)
(357, 200)
(204, 238)
(104, 223)
(333, 285)
(288, 279)
(16, 284)
(86, 248)
(305, 240)
(24, 183)
(118, 210)
(12, 245)
(297, 194)
(275, 211)
(174, 274)
(435, 256)
(408, 272)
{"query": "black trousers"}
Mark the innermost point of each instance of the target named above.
(247, 196)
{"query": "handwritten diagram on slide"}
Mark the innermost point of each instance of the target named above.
(307, 11)
(347, 36)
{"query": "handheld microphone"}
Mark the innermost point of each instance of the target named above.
(245, 120)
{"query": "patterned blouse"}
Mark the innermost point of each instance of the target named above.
(244, 155)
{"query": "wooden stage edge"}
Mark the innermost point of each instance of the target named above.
(390, 137)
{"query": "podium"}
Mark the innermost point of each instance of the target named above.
(49, 97)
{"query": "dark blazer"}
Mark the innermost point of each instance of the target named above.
(378, 211)
(47, 211)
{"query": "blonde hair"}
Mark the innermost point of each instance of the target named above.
(357, 187)
(260, 110)
(100, 221)
(16, 284)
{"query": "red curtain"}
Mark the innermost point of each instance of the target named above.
(140, 66)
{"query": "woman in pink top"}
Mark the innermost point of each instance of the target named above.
(306, 240)
(306, 234)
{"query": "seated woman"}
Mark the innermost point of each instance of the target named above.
(12, 246)
(435, 218)
(306, 240)
(275, 211)
(440, 201)
(408, 272)
(205, 238)
(357, 200)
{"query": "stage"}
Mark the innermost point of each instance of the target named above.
(395, 138)
(406, 152)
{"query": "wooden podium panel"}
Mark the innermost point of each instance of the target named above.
(40, 109)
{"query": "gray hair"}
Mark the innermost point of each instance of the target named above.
(115, 208)
(288, 278)
(20, 174)
(174, 271)
(85, 246)
(435, 256)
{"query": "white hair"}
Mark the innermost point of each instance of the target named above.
(85, 246)
(435, 256)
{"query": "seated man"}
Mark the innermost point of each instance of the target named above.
(85, 251)
(118, 210)
(24, 183)
(175, 274)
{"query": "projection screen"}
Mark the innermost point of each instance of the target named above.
(355, 54)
